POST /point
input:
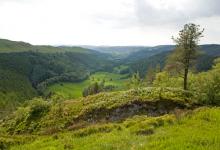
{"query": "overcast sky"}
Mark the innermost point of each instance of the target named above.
(106, 22)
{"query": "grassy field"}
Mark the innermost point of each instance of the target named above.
(74, 90)
(119, 120)
(195, 130)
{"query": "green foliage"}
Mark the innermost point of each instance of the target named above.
(96, 87)
(135, 81)
(14, 89)
(186, 50)
(93, 89)
(204, 85)
(24, 119)
(151, 74)
(207, 85)
(164, 79)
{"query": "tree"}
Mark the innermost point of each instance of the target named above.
(186, 50)
(96, 87)
(158, 68)
(151, 73)
(135, 81)
(150, 76)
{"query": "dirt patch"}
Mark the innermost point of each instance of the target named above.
(150, 108)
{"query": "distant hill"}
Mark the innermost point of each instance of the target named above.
(147, 52)
(117, 51)
(141, 60)
(14, 46)
(7, 46)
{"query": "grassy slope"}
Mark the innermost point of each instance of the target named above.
(196, 130)
(98, 107)
(74, 90)
(84, 123)
(14, 88)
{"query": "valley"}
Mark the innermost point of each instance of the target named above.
(74, 90)
(109, 75)
(76, 98)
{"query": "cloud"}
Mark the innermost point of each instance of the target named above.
(174, 12)
(15, 1)
(105, 22)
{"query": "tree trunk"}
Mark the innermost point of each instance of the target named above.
(185, 79)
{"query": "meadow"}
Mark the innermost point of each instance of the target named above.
(70, 90)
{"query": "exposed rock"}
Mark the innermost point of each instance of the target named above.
(150, 108)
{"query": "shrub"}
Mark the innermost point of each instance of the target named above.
(95, 88)
(24, 119)
(207, 85)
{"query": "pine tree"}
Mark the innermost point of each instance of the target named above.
(186, 50)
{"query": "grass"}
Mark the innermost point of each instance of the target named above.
(74, 90)
(68, 90)
(110, 79)
(196, 130)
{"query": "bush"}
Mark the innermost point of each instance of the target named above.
(207, 85)
(204, 86)
(24, 119)
(163, 79)
(38, 108)
(95, 88)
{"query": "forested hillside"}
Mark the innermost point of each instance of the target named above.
(27, 70)
(142, 60)
(117, 51)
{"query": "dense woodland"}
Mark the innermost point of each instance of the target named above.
(111, 97)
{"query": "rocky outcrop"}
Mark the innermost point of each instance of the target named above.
(150, 108)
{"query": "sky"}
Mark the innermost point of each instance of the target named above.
(106, 22)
